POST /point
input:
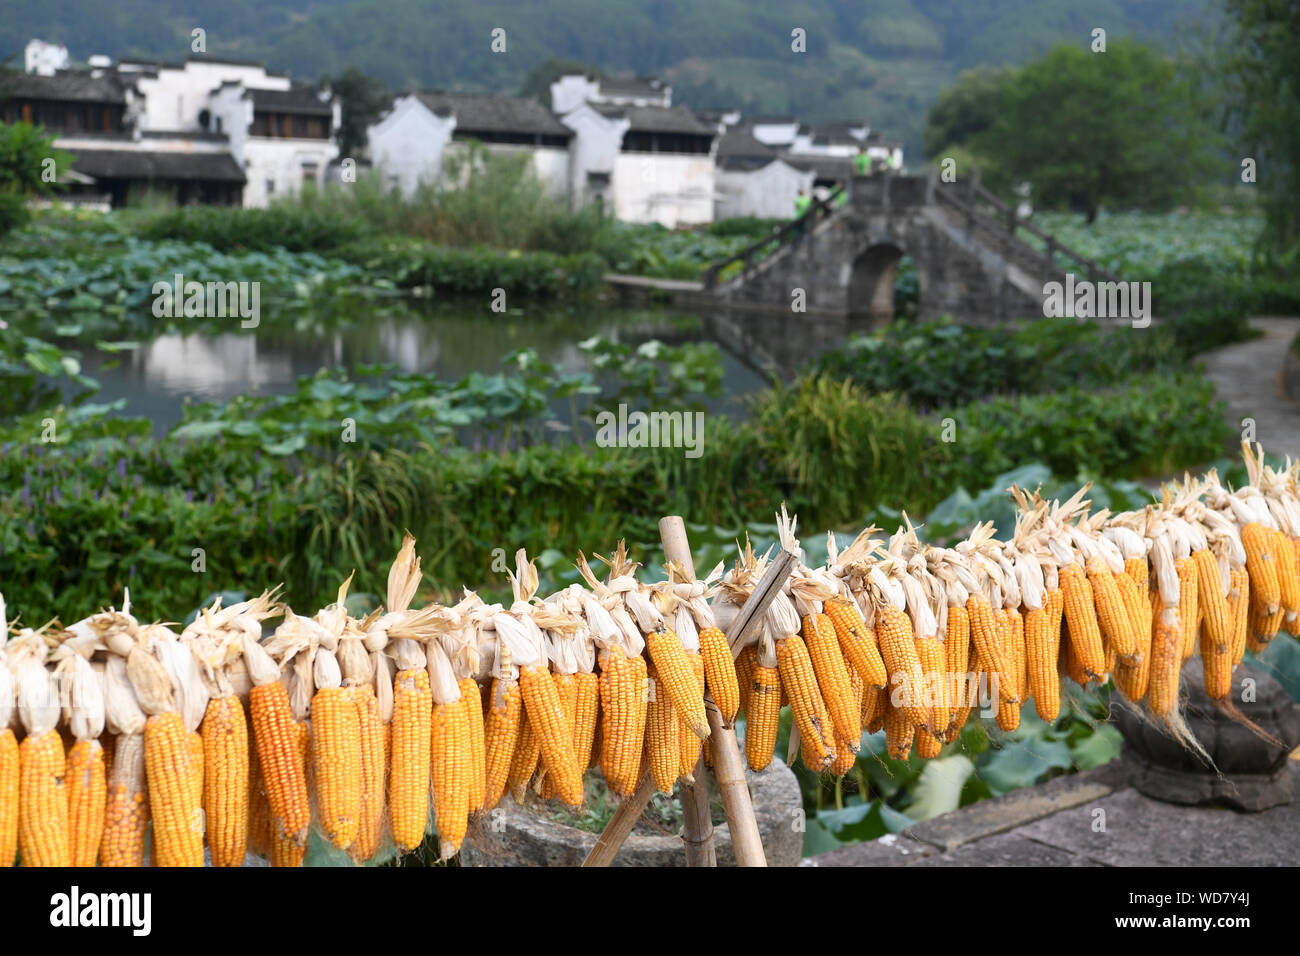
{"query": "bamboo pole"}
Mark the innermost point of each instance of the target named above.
(697, 829)
(727, 762)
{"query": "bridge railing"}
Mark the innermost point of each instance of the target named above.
(982, 203)
(788, 234)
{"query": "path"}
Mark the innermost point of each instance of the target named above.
(1248, 376)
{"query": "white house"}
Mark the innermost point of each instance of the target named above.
(830, 139)
(778, 132)
(753, 179)
(411, 142)
(44, 59)
(571, 91)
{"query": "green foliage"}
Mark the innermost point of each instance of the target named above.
(964, 110)
(24, 150)
(1068, 124)
(291, 225)
(364, 100)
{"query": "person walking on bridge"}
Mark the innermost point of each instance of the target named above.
(802, 203)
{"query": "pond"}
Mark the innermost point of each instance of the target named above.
(446, 339)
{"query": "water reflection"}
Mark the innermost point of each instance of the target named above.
(446, 340)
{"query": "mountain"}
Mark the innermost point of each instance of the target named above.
(879, 60)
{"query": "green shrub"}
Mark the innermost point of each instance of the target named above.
(295, 226)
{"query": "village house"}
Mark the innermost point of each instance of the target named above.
(754, 179)
(206, 130)
(409, 145)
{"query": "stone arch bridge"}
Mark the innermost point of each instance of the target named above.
(975, 260)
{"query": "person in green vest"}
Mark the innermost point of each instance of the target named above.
(801, 203)
(861, 162)
(843, 197)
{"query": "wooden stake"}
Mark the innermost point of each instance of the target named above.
(728, 765)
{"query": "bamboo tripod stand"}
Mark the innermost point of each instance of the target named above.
(728, 765)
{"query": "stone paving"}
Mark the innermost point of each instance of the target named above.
(1249, 375)
(1057, 824)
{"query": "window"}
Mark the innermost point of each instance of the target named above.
(309, 172)
(270, 187)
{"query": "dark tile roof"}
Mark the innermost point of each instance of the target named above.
(161, 165)
(738, 149)
(74, 85)
(825, 167)
(490, 113)
(656, 119)
(300, 99)
(646, 86)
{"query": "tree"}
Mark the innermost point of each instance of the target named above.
(364, 99)
(1261, 65)
(537, 85)
(29, 166)
(1088, 128)
(965, 109)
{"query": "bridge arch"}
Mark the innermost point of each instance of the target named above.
(871, 281)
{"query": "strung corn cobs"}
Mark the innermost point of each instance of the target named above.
(370, 734)
(762, 715)
(451, 765)
(720, 673)
(336, 763)
(846, 751)
(623, 699)
(1261, 562)
(86, 798)
(566, 689)
(469, 692)
(126, 811)
(259, 808)
(173, 798)
(678, 674)
(43, 801)
(287, 852)
(956, 649)
(811, 719)
(833, 678)
(501, 734)
(1188, 604)
(1008, 712)
(899, 732)
(898, 648)
(1166, 660)
(554, 733)
(662, 735)
(689, 748)
(1081, 616)
(857, 642)
(1239, 606)
(408, 788)
(1117, 628)
(279, 752)
(586, 717)
(1042, 647)
(9, 774)
(523, 764)
(987, 640)
(225, 780)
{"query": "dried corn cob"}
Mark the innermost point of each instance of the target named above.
(662, 737)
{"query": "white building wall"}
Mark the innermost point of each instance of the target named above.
(174, 98)
(776, 134)
(407, 145)
(570, 92)
(594, 148)
(675, 189)
(768, 193)
(44, 58)
(274, 167)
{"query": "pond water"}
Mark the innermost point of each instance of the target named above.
(448, 340)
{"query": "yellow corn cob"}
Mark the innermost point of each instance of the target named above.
(43, 801)
(1041, 651)
(1132, 676)
(934, 662)
(873, 708)
(678, 676)
(1217, 661)
(1008, 712)
(1262, 563)
(196, 777)
(899, 731)
(1210, 600)
(1261, 626)
(126, 810)
(816, 733)
(9, 774)
(662, 735)
(225, 780)
(762, 716)
(720, 673)
(567, 689)
(279, 754)
(1166, 659)
(1287, 582)
(586, 715)
(336, 764)
(857, 641)
(1239, 606)
(501, 736)
(745, 674)
(554, 734)
(408, 785)
(833, 678)
(286, 851)
(845, 755)
(451, 766)
(528, 750)
(1081, 616)
(86, 799)
(259, 806)
(623, 698)
(984, 634)
(689, 751)
(370, 734)
(473, 697)
(1112, 615)
(1188, 604)
(907, 679)
(956, 647)
(177, 817)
